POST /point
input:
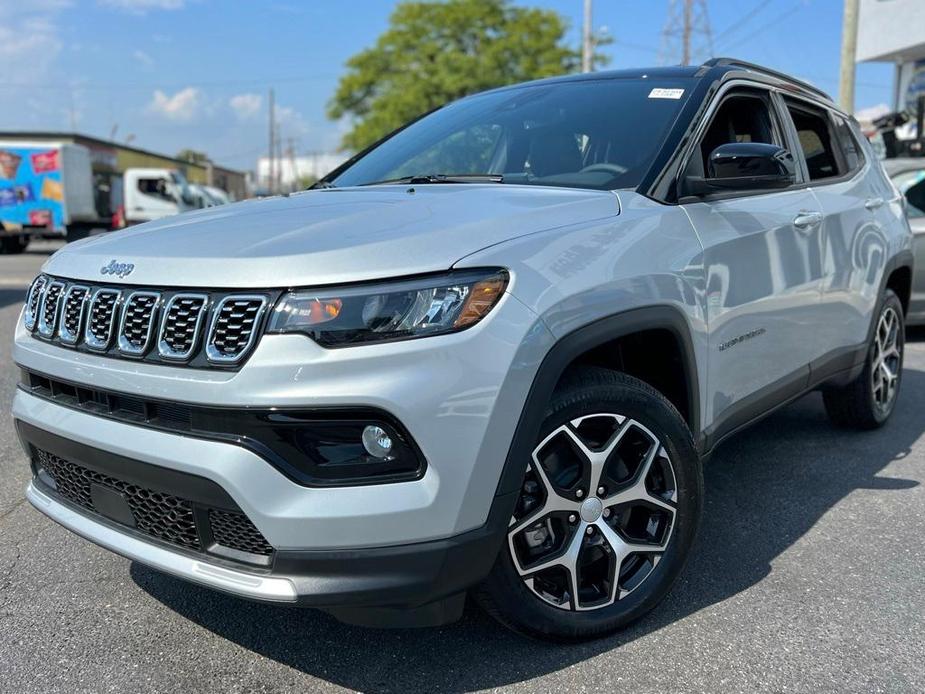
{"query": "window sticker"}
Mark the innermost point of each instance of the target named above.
(660, 93)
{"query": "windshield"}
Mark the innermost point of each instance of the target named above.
(599, 134)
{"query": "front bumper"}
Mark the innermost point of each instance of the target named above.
(408, 585)
(459, 396)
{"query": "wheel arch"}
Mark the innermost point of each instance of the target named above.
(571, 348)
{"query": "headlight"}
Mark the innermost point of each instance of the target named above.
(401, 310)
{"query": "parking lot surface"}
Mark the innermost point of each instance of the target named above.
(808, 576)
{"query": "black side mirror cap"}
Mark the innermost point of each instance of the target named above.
(744, 166)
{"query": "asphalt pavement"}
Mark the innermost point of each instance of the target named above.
(809, 576)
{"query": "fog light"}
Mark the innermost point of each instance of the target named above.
(377, 442)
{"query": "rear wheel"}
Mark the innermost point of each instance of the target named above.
(608, 510)
(14, 244)
(868, 401)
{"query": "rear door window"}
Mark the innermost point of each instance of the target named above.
(817, 141)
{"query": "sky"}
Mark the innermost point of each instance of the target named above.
(174, 74)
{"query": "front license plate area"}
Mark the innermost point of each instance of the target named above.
(110, 503)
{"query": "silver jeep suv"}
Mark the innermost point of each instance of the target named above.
(486, 356)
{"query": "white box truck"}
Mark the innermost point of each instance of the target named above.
(45, 188)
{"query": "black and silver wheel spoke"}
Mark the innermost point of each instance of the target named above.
(607, 513)
(887, 359)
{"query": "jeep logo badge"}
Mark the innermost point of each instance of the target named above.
(120, 270)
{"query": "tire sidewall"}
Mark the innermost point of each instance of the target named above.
(889, 300)
(654, 412)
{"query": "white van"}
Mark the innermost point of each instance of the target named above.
(155, 193)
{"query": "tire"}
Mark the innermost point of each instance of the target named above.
(14, 245)
(868, 401)
(650, 497)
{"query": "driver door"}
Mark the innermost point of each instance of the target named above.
(763, 264)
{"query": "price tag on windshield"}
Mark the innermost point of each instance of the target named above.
(660, 93)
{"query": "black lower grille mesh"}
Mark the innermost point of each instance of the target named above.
(236, 531)
(167, 517)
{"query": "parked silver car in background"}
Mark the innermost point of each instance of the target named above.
(908, 175)
(485, 357)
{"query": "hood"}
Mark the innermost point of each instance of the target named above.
(328, 236)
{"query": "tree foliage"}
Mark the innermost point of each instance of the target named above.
(435, 52)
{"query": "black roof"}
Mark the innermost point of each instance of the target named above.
(712, 70)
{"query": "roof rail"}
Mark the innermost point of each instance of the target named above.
(734, 62)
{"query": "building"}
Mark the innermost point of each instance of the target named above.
(894, 31)
(113, 158)
(292, 170)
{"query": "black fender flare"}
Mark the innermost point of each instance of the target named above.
(573, 345)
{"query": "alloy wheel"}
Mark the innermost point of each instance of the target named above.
(887, 359)
(596, 512)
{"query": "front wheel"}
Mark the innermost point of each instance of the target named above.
(609, 507)
(868, 401)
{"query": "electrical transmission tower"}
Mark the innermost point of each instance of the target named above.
(687, 35)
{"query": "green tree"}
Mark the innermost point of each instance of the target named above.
(435, 52)
(193, 157)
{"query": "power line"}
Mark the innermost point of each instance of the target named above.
(687, 32)
(167, 85)
(777, 20)
(762, 4)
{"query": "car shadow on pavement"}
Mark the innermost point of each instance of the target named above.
(765, 488)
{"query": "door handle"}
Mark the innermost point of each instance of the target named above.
(873, 203)
(807, 220)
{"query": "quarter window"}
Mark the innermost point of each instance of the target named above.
(848, 141)
(815, 134)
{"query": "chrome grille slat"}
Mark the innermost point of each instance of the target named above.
(73, 308)
(49, 309)
(180, 325)
(101, 318)
(228, 342)
(136, 327)
(33, 301)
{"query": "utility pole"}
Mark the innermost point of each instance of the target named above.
(849, 46)
(587, 39)
(687, 34)
(271, 168)
(293, 165)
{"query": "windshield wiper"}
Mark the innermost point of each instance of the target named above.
(421, 179)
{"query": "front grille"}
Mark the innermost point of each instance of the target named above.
(72, 313)
(167, 517)
(164, 516)
(138, 317)
(234, 327)
(98, 334)
(180, 327)
(200, 329)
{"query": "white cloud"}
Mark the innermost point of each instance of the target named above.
(182, 106)
(245, 105)
(143, 58)
(29, 46)
(142, 6)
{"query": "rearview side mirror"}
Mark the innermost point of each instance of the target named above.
(744, 166)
